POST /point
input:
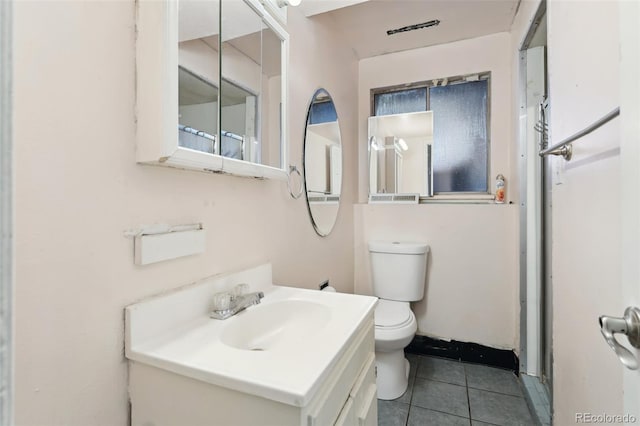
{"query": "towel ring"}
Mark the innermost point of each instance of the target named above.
(294, 169)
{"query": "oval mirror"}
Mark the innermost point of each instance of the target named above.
(322, 162)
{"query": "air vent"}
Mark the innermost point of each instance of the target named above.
(433, 23)
(325, 199)
(394, 198)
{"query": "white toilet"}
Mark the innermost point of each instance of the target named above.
(398, 275)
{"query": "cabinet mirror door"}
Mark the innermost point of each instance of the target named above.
(198, 75)
(211, 87)
(251, 89)
(400, 159)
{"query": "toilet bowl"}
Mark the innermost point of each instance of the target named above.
(394, 330)
(398, 273)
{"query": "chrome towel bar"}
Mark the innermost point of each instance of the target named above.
(563, 148)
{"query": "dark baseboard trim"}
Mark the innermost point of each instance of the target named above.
(464, 351)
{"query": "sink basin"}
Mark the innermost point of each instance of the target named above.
(275, 325)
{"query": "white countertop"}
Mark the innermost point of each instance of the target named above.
(289, 372)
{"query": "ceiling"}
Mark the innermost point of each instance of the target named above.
(364, 25)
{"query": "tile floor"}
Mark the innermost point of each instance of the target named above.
(538, 398)
(446, 392)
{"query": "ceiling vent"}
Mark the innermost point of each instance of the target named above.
(428, 24)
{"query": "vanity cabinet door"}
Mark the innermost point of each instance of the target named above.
(330, 403)
(347, 415)
(368, 414)
(362, 402)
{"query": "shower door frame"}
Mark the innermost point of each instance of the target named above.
(536, 352)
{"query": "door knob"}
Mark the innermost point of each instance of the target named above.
(628, 325)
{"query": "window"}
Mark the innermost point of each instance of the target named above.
(460, 127)
(322, 111)
(401, 101)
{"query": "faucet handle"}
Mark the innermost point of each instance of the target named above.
(240, 290)
(221, 301)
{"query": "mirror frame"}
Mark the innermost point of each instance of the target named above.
(304, 165)
(157, 96)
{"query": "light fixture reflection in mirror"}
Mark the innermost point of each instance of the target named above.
(322, 162)
(400, 159)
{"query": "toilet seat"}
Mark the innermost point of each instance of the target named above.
(391, 314)
(395, 325)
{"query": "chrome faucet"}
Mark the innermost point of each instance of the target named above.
(226, 304)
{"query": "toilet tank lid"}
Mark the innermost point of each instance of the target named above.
(398, 247)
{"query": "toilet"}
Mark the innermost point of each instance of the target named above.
(398, 276)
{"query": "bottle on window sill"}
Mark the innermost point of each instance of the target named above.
(500, 189)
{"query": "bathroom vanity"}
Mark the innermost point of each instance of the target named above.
(300, 357)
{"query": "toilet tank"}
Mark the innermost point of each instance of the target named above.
(398, 270)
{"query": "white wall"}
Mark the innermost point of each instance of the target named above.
(233, 118)
(629, 14)
(199, 58)
(473, 269)
(240, 69)
(415, 166)
(200, 116)
(79, 188)
(317, 161)
(583, 81)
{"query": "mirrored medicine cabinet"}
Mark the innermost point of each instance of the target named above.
(400, 160)
(211, 87)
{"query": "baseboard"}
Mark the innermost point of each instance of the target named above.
(465, 351)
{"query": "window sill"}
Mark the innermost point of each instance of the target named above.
(462, 198)
(459, 199)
